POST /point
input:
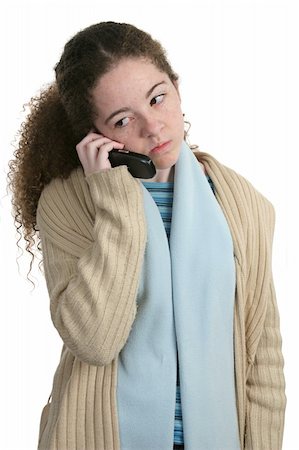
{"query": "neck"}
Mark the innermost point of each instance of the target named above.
(163, 176)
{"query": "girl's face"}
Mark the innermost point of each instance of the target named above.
(139, 106)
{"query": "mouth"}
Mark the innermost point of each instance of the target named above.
(160, 148)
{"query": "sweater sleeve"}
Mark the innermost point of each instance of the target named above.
(92, 275)
(265, 385)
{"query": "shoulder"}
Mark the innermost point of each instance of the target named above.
(249, 213)
(74, 184)
(72, 192)
(230, 183)
(66, 204)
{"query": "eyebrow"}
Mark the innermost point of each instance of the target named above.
(121, 110)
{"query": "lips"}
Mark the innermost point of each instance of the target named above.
(160, 148)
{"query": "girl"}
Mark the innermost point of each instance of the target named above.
(160, 289)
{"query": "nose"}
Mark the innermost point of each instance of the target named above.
(151, 126)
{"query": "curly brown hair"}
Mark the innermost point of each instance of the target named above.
(63, 113)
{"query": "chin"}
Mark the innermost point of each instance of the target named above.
(165, 163)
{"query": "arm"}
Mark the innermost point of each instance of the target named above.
(93, 294)
(266, 387)
(265, 379)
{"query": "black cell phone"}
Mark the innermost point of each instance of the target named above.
(139, 166)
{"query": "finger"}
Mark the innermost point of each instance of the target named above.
(94, 156)
(105, 148)
(95, 140)
(89, 138)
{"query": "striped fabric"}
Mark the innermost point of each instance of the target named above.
(178, 419)
(162, 193)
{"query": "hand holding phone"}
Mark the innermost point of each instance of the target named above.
(139, 166)
(93, 152)
(97, 152)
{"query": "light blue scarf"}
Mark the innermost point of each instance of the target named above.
(185, 304)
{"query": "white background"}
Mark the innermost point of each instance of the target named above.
(238, 66)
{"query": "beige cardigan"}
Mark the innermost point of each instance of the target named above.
(93, 234)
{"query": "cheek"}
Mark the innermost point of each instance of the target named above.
(178, 122)
(175, 111)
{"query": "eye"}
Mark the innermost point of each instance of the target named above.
(158, 99)
(122, 122)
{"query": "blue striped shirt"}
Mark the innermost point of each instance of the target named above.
(162, 193)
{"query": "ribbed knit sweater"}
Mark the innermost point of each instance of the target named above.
(93, 234)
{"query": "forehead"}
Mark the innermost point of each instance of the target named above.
(126, 82)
